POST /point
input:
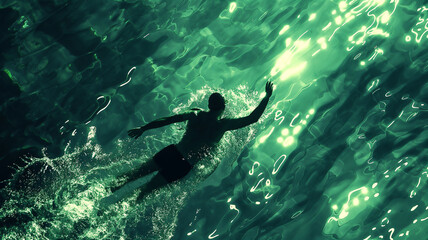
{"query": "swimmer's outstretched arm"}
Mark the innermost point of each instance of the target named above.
(232, 124)
(136, 132)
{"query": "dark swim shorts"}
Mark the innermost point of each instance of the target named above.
(172, 164)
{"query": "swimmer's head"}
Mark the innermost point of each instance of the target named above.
(216, 102)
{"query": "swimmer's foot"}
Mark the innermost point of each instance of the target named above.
(140, 197)
(115, 188)
(100, 212)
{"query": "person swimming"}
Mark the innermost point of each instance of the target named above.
(204, 130)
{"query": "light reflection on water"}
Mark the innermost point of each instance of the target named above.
(339, 153)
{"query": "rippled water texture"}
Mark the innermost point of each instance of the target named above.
(340, 153)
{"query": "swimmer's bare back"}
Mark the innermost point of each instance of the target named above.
(205, 128)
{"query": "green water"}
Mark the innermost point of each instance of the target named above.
(340, 153)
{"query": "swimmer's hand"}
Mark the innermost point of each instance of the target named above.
(136, 132)
(269, 89)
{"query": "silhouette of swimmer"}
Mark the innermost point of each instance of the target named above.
(204, 130)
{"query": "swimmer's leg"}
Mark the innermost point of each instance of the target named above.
(156, 182)
(145, 169)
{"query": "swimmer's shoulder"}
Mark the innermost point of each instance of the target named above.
(198, 111)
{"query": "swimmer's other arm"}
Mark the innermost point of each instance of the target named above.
(232, 124)
(136, 132)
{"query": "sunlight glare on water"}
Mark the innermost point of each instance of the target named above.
(340, 152)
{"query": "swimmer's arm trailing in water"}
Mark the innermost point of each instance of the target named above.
(136, 132)
(232, 124)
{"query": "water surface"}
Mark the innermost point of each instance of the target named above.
(340, 153)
